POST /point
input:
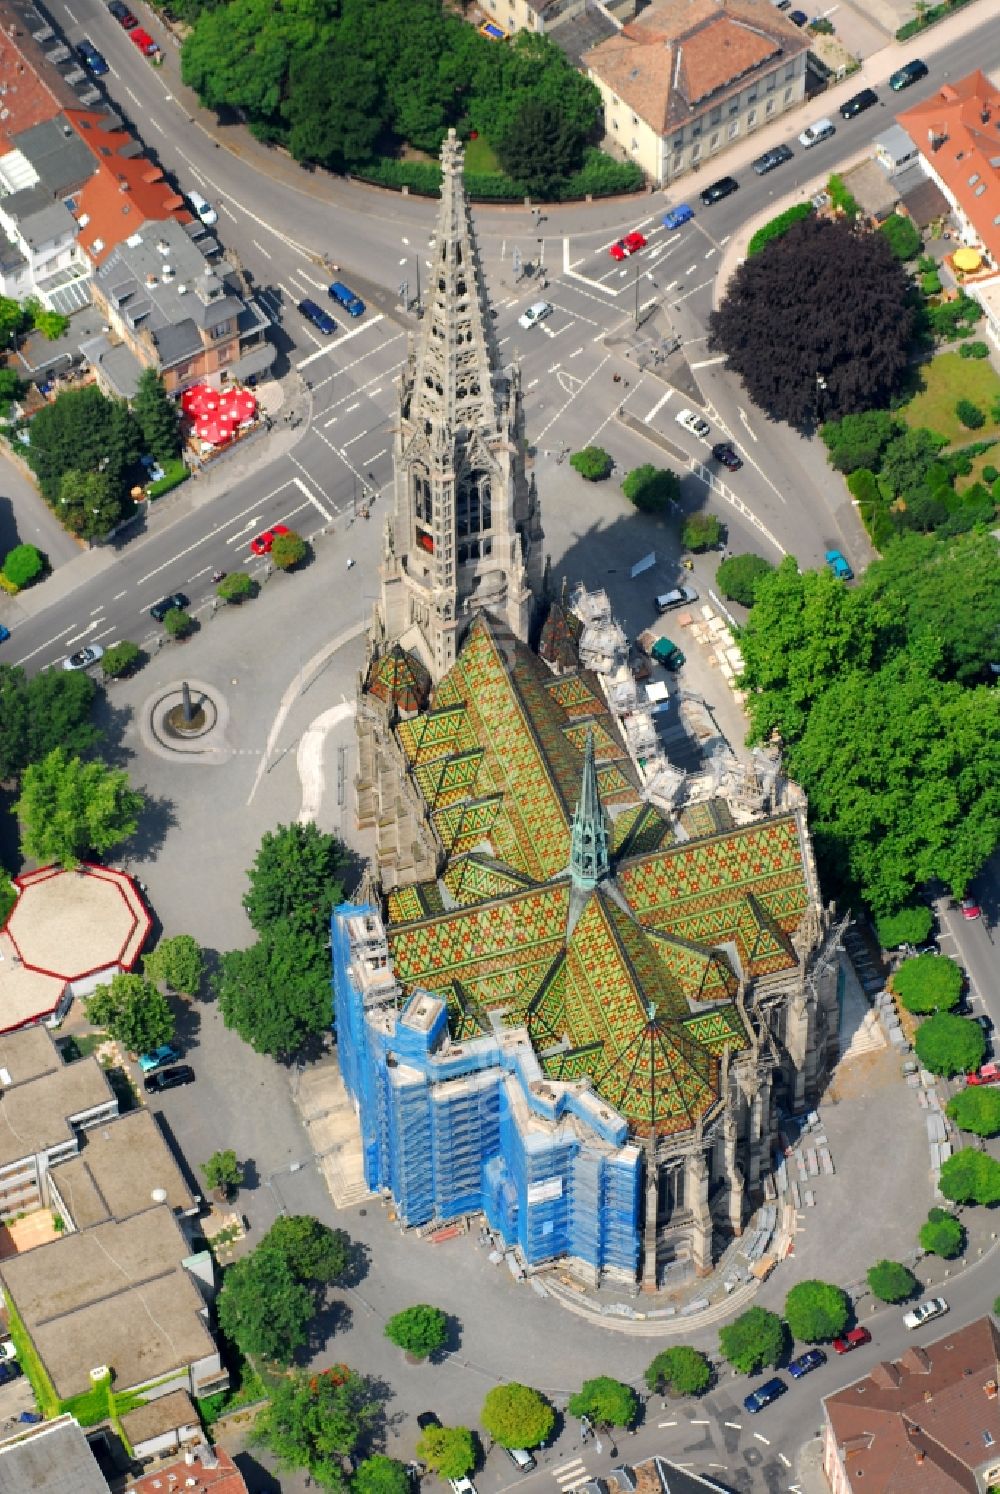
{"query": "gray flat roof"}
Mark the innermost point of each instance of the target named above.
(166, 1414)
(120, 1164)
(34, 1115)
(54, 1458)
(57, 153)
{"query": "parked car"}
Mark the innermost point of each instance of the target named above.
(852, 1339)
(934, 1307)
(814, 133)
(988, 1074)
(84, 657)
(521, 1459)
(181, 1073)
(206, 212)
(667, 654)
(772, 158)
(9, 1370)
(838, 565)
(261, 544)
(94, 60)
(910, 72)
(462, 1486)
(693, 423)
(764, 1394)
(536, 313)
(970, 908)
(159, 610)
(427, 1419)
(810, 1360)
(859, 103)
(319, 318)
(677, 216)
(144, 41)
(798, 17)
(122, 15)
(725, 454)
(681, 596)
(344, 296)
(158, 1059)
(4, 633)
(8, 1349)
(630, 244)
(724, 187)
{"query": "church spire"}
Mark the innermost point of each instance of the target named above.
(589, 860)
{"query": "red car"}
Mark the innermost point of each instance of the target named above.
(988, 1074)
(970, 908)
(144, 41)
(630, 244)
(852, 1339)
(262, 544)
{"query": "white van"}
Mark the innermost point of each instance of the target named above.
(821, 130)
(521, 1459)
(206, 212)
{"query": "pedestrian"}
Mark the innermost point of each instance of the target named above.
(350, 563)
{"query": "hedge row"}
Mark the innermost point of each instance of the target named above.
(599, 176)
(778, 226)
(934, 13)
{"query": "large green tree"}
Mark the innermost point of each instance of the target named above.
(418, 1330)
(316, 1254)
(891, 1282)
(264, 1308)
(317, 1422)
(82, 431)
(133, 1011)
(517, 1416)
(51, 709)
(949, 1045)
(336, 108)
(928, 983)
(738, 576)
(976, 1109)
(294, 880)
(970, 1176)
(859, 440)
(910, 925)
(605, 1402)
(651, 489)
(942, 1235)
(89, 504)
(178, 962)
(757, 1337)
(379, 1474)
(816, 1311)
(276, 994)
(448, 1451)
(157, 416)
(540, 147)
(68, 808)
(681, 1369)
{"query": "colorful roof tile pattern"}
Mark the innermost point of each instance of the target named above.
(399, 678)
(559, 637)
(636, 989)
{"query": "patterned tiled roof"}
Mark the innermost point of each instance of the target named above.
(399, 678)
(559, 637)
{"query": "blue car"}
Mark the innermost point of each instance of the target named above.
(4, 633)
(764, 1395)
(810, 1360)
(148, 1062)
(319, 318)
(838, 565)
(678, 215)
(92, 58)
(344, 296)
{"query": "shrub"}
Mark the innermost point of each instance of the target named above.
(119, 659)
(929, 983)
(778, 226)
(593, 463)
(419, 1330)
(738, 577)
(701, 532)
(891, 1282)
(930, 283)
(841, 198)
(23, 564)
(969, 414)
(288, 550)
(908, 926)
(178, 623)
(974, 350)
(816, 1311)
(990, 474)
(651, 489)
(942, 1235)
(235, 587)
(903, 236)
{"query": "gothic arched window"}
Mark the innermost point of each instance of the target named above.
(473, 505)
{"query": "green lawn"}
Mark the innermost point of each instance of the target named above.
(945, 380)
(479, 158)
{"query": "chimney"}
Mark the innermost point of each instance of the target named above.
(991, 1390)
(919, 1458)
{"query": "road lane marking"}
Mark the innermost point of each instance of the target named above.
(659, 405)
(224, 209)
(95, 610)
(226, 524)
(105, 633)
(785, 1460)
(311, 495)
(737, 1426)
(695, 1423)
(119, 594)
(708, 362)
(48, 644)
(344, 337)
(761, 1438)
(77, 636)
(351, 408)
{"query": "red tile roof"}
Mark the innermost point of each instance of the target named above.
(924, 1423)
(223, 1479)
(124, 192)
(27, 101)
(958, 133)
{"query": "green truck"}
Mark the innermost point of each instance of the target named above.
(666, 653)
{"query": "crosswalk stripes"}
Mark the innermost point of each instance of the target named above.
(571, 1475)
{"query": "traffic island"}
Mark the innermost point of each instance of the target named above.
(186, 722)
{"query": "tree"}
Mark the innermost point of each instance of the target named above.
(928, 983)
(859, 440)
(318, 1421)
(902, 236)
(22, 564)
(970, 1176)
(336, 107)
(68, 808)
(235, 587)
(906, 926)
(942, 1235)
(135, 1013)
(738, 576)
(651, 489)
(593, 463)
(223, 1173)
(816, 1312)
(120, 659)
(517, 1416)
(976, 1109)
(701, 532)
(157, 416)
(13, 320)
(683, 1370)
(539, 147)
(51, 709)
(263, 1308)
(294, 880)
(288, 550)
(316, 1254)
(838, 355)
(949, 1045)
(178, 962)
(88, 503)
(85, 432)
(177, 622)
(51, 324)
(449, 1452)
(379, 1474)
(605, 1402)
(755, 1338)
(891, 1282)
(418, 1331)
(276, 994)
(970, 415)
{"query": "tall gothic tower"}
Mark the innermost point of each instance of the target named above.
(465, 532)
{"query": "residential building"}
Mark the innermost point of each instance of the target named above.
(46, 164)
(927, 1422)
(168, 308)
(688, 78)
(556, 1002)
(125, 191)
(202, 1470)
(162, 1428)
(52, 1458)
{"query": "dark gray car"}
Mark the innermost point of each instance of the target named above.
(772, 158)
(159, 609)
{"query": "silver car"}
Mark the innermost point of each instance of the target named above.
(84, 657)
